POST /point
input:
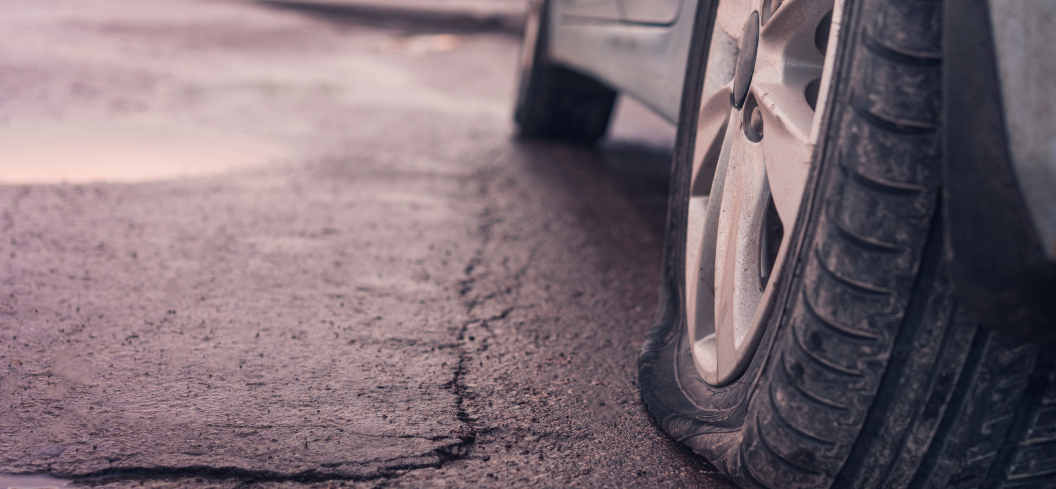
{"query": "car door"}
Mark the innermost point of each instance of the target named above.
(657, 12)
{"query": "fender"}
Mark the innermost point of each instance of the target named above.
(646, 61)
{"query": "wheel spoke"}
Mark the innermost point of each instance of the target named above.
(795, 17)
(709, 170)
(737, 284)
(732, 14)
(789, 62)
(701, 280)
(787, 152)
(711, 130)
(698, 210)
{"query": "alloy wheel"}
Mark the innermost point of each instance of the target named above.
(764, 87)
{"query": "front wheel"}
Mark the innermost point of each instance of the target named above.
(808, 336)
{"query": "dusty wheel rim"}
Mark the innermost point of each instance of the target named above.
(767, 66)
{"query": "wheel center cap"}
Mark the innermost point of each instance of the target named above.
(749, 47)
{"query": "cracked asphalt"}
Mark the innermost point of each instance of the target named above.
(403, 294)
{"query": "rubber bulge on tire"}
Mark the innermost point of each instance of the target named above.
(869, 374)
(555, 102)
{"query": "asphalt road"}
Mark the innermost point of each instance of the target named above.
(334, 264)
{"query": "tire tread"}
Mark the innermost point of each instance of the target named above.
(834, 252)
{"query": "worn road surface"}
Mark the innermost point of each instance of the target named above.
(267, 245)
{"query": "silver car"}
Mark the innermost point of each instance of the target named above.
(860, 259)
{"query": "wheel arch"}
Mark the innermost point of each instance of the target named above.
(999, 266)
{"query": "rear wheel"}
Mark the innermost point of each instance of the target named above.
(554, 102)
(808, 336)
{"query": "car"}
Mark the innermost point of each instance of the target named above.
(859, 284)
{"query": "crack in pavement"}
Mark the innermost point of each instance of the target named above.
(251, 476)
(439, 456)
(460, 449)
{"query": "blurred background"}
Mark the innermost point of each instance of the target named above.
(114, 91)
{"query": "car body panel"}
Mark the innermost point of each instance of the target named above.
(1025, 45)
(996, 260)
(660, 12)
(588, 9)
(645, 61)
